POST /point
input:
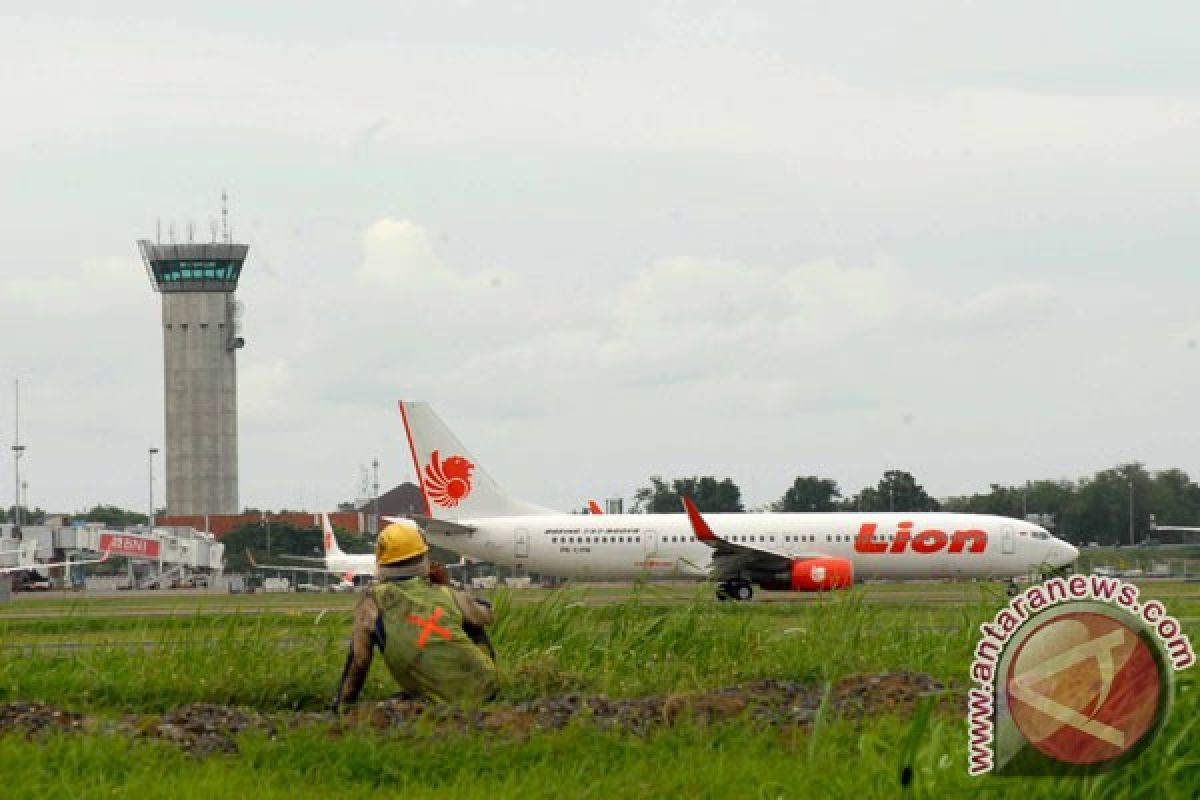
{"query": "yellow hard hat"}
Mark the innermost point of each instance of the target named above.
(399, 541)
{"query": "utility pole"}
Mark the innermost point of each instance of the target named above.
(375, 500)
(1131, 511)
(153, 451)
(18, 451)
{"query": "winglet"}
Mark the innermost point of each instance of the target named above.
(594, 507)
(699, 526)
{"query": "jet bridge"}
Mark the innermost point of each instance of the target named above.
(155, 557)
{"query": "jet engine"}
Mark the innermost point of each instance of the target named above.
(812, 575)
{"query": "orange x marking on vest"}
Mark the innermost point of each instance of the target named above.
(429, 626)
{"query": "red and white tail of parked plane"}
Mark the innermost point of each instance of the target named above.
(335, 560)
(466, 511)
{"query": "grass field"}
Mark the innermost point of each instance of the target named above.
(281, 654)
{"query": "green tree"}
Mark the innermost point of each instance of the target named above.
(809, 493)
(29, 516)
(708, 493)
(114, 517)
(897, 490)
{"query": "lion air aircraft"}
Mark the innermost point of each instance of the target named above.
(335, 560)
(466, 511)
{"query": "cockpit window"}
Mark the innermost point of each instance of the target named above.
(1041, 535)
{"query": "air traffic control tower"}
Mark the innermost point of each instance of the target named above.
(201, 337)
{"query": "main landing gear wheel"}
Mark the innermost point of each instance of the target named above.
(1012, 589)
(735, 590)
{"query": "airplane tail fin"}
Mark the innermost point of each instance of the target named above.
(328, 540)
(453, 483)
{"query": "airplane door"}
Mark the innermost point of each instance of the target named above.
(521, 543)
(650, 539)
(1007, 545)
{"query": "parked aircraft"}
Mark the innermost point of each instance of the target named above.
(466, 511)
(335, 560)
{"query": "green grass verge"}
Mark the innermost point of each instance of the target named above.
(654, 642)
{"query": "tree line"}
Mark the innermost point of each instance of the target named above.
(1090, 509)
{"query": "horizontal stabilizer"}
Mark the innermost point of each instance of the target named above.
(440, 526)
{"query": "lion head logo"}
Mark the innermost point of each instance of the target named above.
(448, 482)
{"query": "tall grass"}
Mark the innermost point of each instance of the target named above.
(560, 643)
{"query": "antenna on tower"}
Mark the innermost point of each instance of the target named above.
(158, 231)
(225, 215)
(191, 231)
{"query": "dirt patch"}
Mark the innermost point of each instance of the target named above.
(32, 719)
(205, 729)
(769, 702)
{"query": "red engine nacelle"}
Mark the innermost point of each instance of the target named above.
(813, 575)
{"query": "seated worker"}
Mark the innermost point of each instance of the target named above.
(420, 625)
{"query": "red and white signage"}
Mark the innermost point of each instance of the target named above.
(120, 544)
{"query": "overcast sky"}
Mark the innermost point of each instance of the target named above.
(614, 240)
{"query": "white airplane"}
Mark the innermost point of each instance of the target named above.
(335, 560)
(466, 511)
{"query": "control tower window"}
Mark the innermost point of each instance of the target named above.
(175, 271)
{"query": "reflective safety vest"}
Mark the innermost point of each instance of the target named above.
(425, 647)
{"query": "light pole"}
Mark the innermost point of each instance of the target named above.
(18, 451)
(1131, 512)
(375, 500)
(150, 454)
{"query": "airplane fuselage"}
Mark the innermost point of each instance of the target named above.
(883, 545)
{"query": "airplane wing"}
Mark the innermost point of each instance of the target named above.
(288, 567)
(731, 558)
(284, 568)
(440, 526)
(37, 567)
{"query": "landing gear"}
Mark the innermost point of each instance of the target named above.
(1011, 589)
(735, 590)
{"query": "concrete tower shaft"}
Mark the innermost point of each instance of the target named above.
(201, 338)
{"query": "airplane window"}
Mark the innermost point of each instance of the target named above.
(828, 538)
(772, 538)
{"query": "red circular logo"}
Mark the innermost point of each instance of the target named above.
(1084, 688)
(447, 482)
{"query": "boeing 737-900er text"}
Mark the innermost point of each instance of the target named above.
(468, 513)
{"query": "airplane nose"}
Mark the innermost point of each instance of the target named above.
(1069, 552)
